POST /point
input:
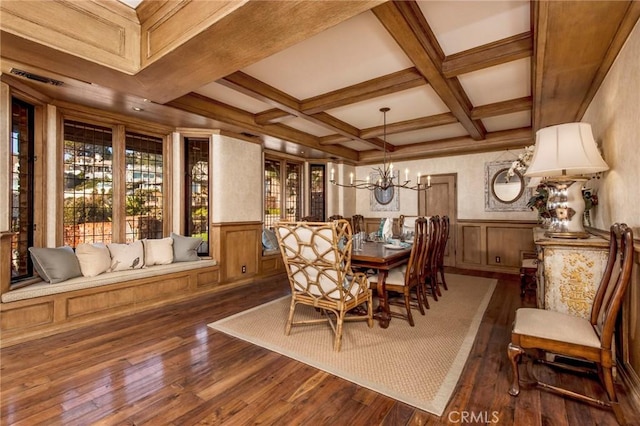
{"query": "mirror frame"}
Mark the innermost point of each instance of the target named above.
(492, 186)
(492, 202)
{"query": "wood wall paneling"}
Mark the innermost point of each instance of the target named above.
(480, 242)
(236, 245)
(108, 36)
(470, 239)
(176, 22)
(30, 316)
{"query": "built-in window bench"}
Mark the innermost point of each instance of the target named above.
(43, 309)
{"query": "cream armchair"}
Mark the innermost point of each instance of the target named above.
(317, 258)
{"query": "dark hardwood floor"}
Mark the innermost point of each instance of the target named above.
(165, 366)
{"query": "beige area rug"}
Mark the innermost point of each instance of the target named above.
(417, 365)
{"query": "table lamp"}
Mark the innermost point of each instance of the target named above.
(563, 155)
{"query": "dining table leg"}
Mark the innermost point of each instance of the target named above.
(384, 315)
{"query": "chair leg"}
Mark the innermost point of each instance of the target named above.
(609, 386)
(422, 288)
(419, 299)
(370, 312)
(292, 308)
(514, 353)
(338, 339)
(444, 282)
(407, 305)
(433, 286)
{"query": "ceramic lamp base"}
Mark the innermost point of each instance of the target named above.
(566, 205)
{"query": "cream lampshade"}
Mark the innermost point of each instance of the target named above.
(562, 155)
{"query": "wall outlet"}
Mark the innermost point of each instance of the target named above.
(244, 269)
(497, 259)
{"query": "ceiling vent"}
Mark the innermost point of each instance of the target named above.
(36, 77)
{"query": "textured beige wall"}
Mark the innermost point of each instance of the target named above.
(470, 170)
(236, 180)
(614, 115)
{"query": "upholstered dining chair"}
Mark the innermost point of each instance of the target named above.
(317, 257)
(591, 340)
(357, 223)
(404, 279)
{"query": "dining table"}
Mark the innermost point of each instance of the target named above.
(381, 257)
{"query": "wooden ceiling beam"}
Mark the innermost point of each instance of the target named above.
(495, 141)
(399, 127)
(496, 53)
(271, 116)
(501, 108)
(575, 44)
(215, 110)
(408, 26)
(391, 83)
(250, 86)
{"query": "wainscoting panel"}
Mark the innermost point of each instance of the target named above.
(493, 245)
(237, 247)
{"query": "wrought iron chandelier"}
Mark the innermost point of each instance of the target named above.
(386, 181)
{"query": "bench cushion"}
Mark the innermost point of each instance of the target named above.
(79, 283)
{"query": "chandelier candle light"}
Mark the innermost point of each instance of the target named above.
(385, 185)
(563, 155)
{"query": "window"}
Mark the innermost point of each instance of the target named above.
(197, 191)
(88, 184)
(317, 190)
(282, 191)
(143, 182)
(22, 189)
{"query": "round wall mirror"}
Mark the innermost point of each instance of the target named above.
(507, 189)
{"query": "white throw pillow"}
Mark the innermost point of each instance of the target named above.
(94, 259)
(158, 251)
(126, 256)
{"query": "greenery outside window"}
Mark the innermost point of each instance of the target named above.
(282, 191)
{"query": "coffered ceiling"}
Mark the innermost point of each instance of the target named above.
(309, 78)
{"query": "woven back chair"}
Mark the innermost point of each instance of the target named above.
(317, 257)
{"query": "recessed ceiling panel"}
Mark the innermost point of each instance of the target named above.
(308, 127)
(499, 83)
(431, 134)
(514, 120)
(462, 25)
(354, 51)
(406, 105)
(231, 97)
(357, 145)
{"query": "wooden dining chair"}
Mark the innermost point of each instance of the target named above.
(442, 248)
(405, 279)
(317, 258)
(335, 217)
(357, 223)
(430, 274)
(571, 337)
